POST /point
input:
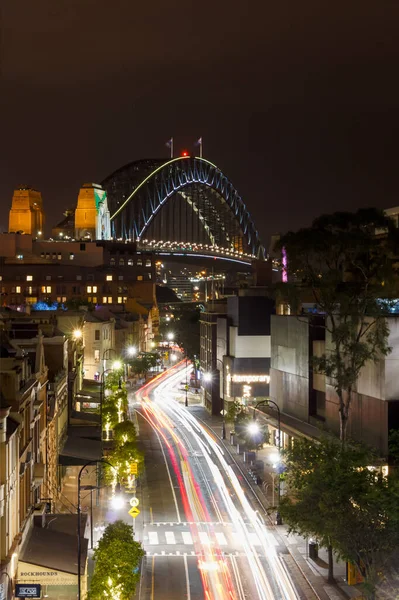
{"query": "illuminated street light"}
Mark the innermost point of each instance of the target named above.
(207, 376)
(117, 502)
(132, 350)
(77, 334)
(170, 336)
(117, 365)
(253, 428)
(173, 357)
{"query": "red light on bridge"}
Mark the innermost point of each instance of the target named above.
(184, 153)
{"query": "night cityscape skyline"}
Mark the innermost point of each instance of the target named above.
(192, 407)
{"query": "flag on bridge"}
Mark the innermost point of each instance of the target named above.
(169, 144)
(199, 143)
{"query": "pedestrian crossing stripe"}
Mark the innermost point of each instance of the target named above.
(185, 538)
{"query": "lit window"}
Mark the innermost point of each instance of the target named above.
(29, 278)
(130, 262)
(139, 278)
(94, 289)
(63, 299)
(96, 356)
(59, 255)
(18, 289)
(119, 299)
(124, 299)
(48, 289)
(108, 278)
(139, 262)
(109, 299)
(121, 262)
(43, 288)
(88, 289)
(94, 300)
(105, 299)
(29, 289)
(71, 256)
(58, 298)
(1, 277)
(148, 263)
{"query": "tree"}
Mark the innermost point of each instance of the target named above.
(335, 496)
(349, 270)
(117, 560)
(144, 362)
(125, 432)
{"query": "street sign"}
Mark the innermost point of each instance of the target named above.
(186, 387)
(28, 590)
(133, 468)
(134, 501)
(134, 512)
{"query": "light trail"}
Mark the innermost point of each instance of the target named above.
(217, 573)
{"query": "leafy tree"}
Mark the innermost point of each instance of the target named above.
(350, 508)
(348, 270)
(121, 457)
(144, 362)
(117, 560)
(125, 432)
(186, 328)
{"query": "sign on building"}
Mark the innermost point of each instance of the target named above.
(28, 590)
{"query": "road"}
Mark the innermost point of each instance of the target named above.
(204, 539)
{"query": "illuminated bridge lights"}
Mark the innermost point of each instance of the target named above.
(182, 198)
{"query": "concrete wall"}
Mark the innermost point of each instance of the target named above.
(244, 346)
(289, 374)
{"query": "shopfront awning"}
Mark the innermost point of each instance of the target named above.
(50, 558)
(79, 450)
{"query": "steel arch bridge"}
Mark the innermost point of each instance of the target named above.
(184, 202)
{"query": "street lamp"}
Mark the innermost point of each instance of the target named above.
(77, 334)
(170, 336)
(267, 403)
(131, 350)
(116, 365)
(116, 504)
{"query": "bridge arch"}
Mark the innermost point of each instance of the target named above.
(182, 197)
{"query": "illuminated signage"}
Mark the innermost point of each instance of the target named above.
(250, 378)
(26, 590)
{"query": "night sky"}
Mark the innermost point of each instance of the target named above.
(297, 102)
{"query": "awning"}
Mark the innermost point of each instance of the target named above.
(50, 557)
(79, 450)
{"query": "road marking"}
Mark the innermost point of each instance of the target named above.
(170, 537)
(221, 538)
(204, 539)
(187, 539)
(153, 538)
(187, 579)
(153, 578)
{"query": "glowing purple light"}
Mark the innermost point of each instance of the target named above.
(284, 274)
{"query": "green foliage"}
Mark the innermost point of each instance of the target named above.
(348, 269)
(117, 557)
(235, 412)
(125, 432)
(334, 497)
(144, 362)
(186, 328)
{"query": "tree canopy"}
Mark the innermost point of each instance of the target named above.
(334, 496)
(117, 560)
(346, 262)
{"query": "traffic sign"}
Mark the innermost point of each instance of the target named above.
(134, 512)
(134, 501)
(133, 468)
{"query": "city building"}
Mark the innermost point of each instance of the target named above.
(236, 349)
(308, 401)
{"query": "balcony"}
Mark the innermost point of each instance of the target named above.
(38, 474)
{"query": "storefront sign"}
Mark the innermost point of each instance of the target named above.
(26, 590)
(250, 378)
(28, 573)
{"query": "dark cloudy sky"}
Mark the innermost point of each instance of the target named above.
(297, 101)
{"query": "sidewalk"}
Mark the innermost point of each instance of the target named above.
(314, 571)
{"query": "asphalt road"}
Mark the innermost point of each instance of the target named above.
(203, 537)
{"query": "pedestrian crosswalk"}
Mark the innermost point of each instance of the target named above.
(172, 538)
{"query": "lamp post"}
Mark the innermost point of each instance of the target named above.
(104, 354)
(186, 387)
(90, 462)
(90, 488)
(267, 403)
